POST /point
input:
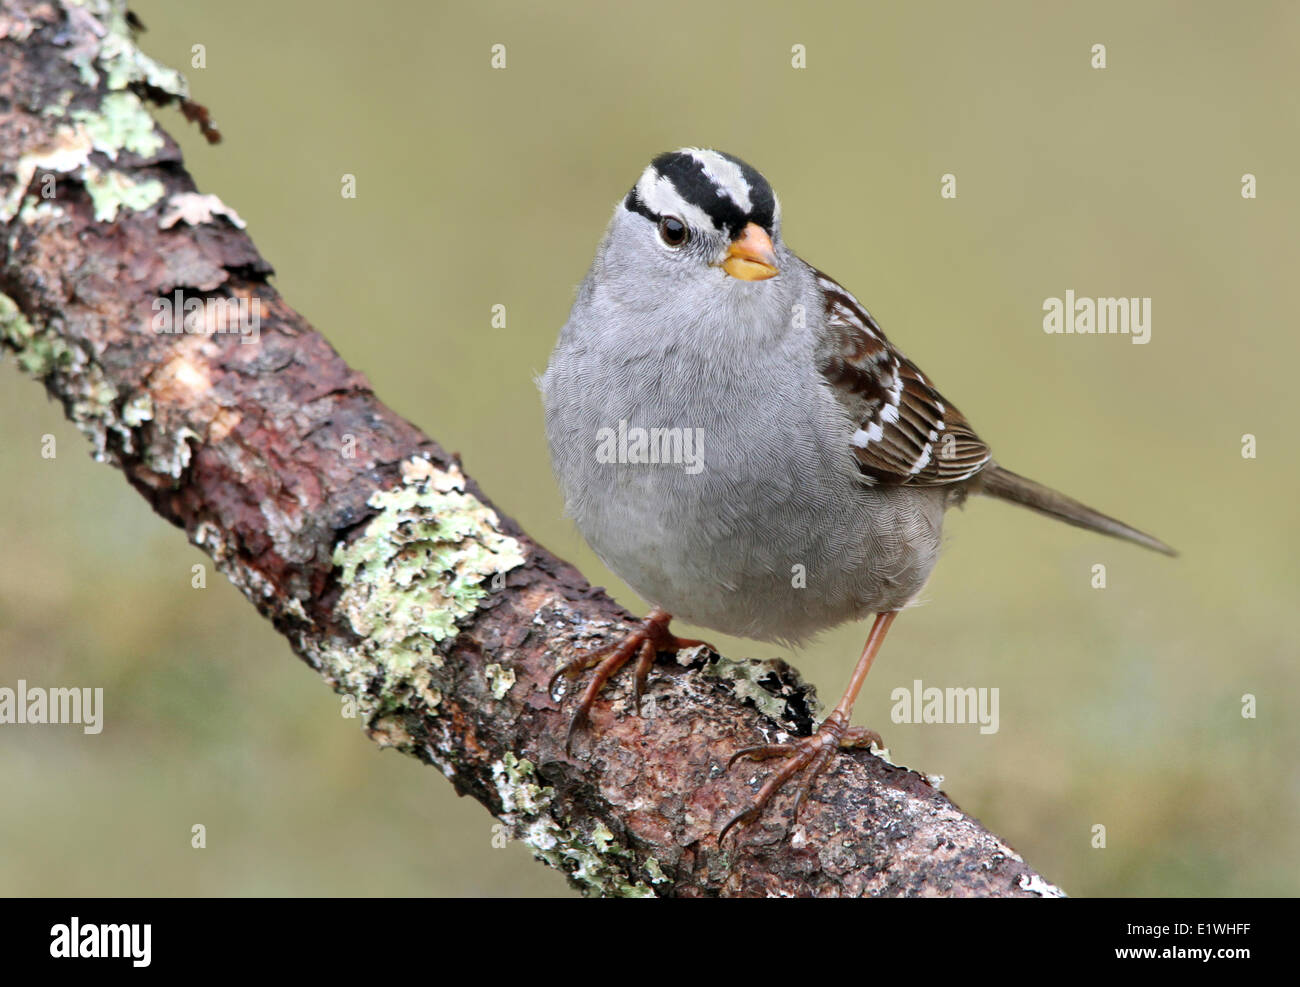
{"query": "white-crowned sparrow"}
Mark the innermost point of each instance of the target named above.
(736, 438)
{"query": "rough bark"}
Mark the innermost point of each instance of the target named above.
(360, 539)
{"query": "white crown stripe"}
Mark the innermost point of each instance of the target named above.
(724, 174)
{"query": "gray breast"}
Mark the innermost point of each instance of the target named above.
(759, 524)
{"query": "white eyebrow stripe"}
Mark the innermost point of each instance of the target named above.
(725, 174)
(660, 196)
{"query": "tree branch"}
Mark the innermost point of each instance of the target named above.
(361, 540)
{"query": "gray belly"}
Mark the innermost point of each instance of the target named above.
(753, 521)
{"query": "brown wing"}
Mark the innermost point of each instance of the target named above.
(907, 432)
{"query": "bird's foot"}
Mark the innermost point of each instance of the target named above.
(644, 644)
(810, 753)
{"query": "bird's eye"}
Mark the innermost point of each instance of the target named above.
(672, 230)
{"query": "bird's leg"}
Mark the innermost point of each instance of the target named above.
(814, 753)
(645, 643)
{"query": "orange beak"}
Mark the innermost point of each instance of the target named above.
(750, 256)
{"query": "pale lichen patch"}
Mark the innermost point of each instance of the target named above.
(1036, 885)
(295, 609)
(657, 875)
(65, 152)
(91, 399)
(746, 679)
(597, 863)
(499, 679)
(389, 731)
(170, 453)
(421, 564)
(111, 191)
(122, 62)
(36, 211)
(415, 573)
(138, 410)
(195, 209)
(120, 123)
(886, 755)
(16, 329)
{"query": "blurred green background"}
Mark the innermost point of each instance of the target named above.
(1120, 707)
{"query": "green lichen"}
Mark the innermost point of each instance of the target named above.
(124, 64)
(112, 190)
(169, 453)
(59, 107)
(65, 152)
(39, 353)
(657, 875)
(138, 410)
(117, 55)
(601, 838)
(92, 400)
(36, 210)
(417, 571)
(596, 863)
(499, 679)
(120, 123)
(14, 327)
(43, 354)
(516, 782)
(422, 565)
(745, 678)
(93, 406)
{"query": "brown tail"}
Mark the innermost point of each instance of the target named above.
(1005, 485)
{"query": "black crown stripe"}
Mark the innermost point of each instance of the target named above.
(694, 186)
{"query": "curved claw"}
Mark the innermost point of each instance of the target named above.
(575, 723)
(567, 670)
(644, 662)
(572, 669)
(746, 817)
(644, 644)
(816, 768)
(815, 752)
(810, 753)
(550, 685)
